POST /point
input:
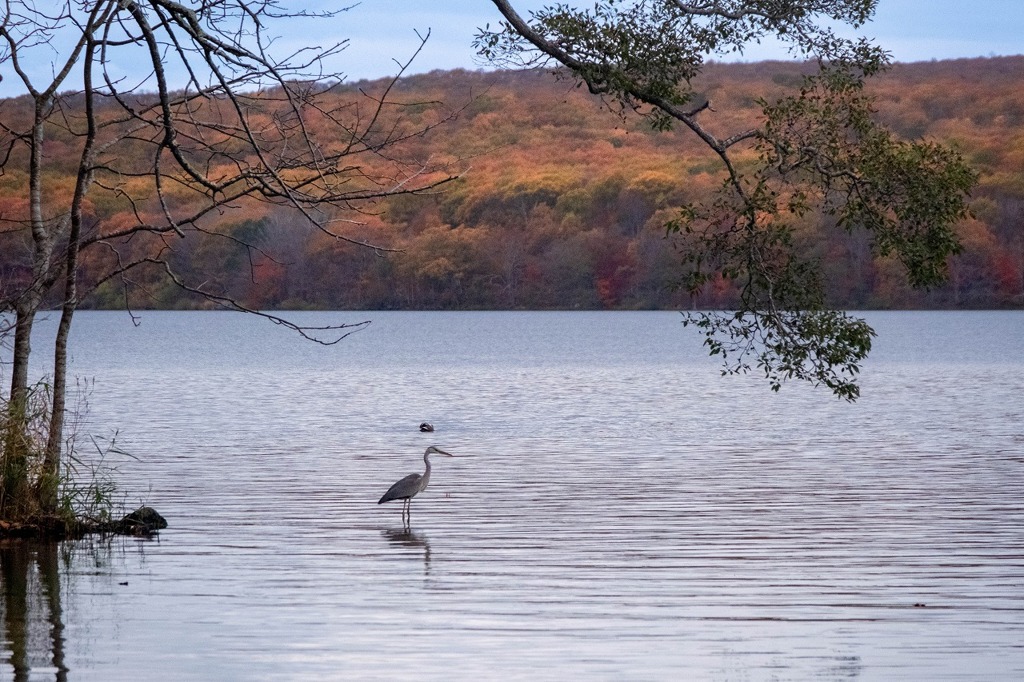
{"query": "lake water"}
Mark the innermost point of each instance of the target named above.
(617, 511)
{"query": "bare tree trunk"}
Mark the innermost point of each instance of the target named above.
(17, 496)
(49, 477)
(47, 485)
(14, 469)
(25, 317)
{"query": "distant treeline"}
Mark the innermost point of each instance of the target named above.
(563, 203)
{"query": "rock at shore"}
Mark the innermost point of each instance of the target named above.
(142, 521)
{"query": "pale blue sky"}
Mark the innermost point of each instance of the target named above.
(381, 31)
(912, 30)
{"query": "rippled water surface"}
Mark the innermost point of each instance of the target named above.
(617, 511)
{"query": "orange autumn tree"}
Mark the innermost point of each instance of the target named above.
(119, 173)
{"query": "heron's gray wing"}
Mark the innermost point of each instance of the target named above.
(407, 487)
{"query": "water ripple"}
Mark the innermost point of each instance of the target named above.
(617, 510)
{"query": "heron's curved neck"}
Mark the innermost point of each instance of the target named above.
(426, 460)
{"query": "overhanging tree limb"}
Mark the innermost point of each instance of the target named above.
(818, 152)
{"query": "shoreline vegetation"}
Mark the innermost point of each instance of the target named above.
(564, 205)
(88, 498)
(144, 521)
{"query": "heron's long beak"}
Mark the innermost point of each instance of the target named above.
(442, 452)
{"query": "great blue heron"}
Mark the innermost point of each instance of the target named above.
(408, 487)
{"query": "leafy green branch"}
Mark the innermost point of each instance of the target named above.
(816, 153)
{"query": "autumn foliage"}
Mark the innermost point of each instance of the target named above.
(564, 204)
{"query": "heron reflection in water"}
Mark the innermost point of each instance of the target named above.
(408, 539)
(411, 485)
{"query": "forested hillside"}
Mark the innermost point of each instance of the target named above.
(563, 203)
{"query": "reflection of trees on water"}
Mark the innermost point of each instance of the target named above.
(30, 604)
(37, 584)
